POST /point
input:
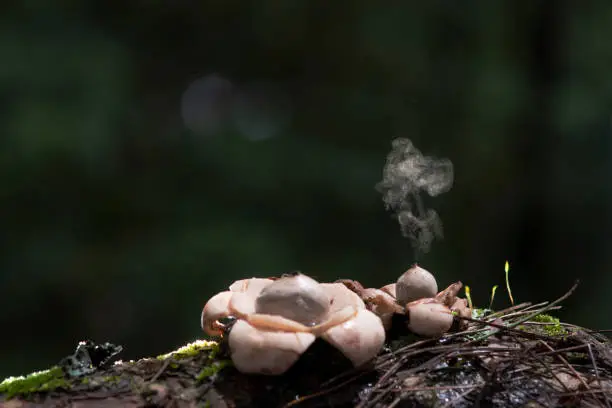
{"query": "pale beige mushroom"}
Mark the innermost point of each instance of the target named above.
(449, 295)
(279, 319)
(430, 314)
(359, 338)
(416, 283)
(390, 289)
(461, 308)
(217, 307)
(266, 352)
(382, 304)
(432, 317)
(380, 301)
(299, 298)
(428, 318)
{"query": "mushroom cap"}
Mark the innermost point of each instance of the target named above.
(416, 283)
(428, 318)
(299, 298)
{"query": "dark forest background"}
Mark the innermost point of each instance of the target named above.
(153, 152)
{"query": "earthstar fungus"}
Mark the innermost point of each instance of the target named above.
(278, 319)
(429, 314)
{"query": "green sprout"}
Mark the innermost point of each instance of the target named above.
(468, 297)
(493, 290)
(507, 269)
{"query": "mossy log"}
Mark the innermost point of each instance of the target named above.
(198, 374)
(541, 362)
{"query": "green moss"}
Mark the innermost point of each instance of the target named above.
(54, 378)
(39, 381)
(553, 326)
(191, 350)
(479, 313)
(112, 379)
(212, 369)
(544, 318)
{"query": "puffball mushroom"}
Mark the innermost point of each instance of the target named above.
(430, 314)
(416, 283)
(428, 318)
(277, 320)
(432, 317)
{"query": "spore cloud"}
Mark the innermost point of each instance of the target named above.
(406, 175)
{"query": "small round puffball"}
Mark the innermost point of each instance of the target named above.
(416, 283)
(429, 319)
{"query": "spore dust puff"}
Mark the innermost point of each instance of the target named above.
(406, 174)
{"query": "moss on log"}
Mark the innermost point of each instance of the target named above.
(541, 362)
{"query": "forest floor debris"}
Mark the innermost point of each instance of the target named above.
(520, 356)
